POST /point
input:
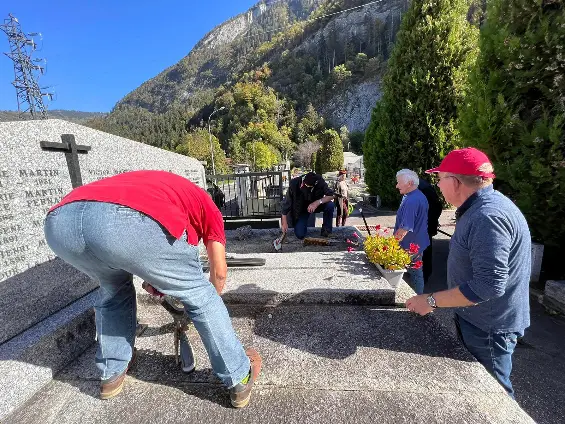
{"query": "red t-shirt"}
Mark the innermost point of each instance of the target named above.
(176, 203)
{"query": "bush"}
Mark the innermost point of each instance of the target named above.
(515, 110)
(330, 156)
(197, 145)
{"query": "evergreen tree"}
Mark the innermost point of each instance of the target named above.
(330, 156)
(413, 125)
(515, 110)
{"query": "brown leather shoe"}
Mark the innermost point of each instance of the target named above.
(114, 385)
(241, 393)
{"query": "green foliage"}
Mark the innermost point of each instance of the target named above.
(515, 110)
(262, 155)
(197, 145)
(160, 130)
(340, 74)
(273, 80)
(344, 135)
(264, 132)
(314, 161)
(356, 142)
(330, 156)
(413, 125)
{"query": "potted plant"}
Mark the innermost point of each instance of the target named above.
(384, 250)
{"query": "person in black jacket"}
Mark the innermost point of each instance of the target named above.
(308, 194)
(434, 212)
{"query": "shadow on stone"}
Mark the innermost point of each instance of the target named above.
(337, 332)
(37, 293)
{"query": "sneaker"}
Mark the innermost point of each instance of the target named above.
(241, 393)
(114, 385)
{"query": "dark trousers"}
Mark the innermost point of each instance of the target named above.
(492, 350)
(301, 226)
(342, 212)
(427, 259)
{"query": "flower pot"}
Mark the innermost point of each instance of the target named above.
(394, 277)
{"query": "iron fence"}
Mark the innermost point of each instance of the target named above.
(252, 195)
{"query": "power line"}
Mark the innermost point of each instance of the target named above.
(307, 21)
(26, 70)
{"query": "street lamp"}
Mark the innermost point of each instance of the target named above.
(210, 134)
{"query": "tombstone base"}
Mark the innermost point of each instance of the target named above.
(554, 297)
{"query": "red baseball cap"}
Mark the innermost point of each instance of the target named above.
(468, 161)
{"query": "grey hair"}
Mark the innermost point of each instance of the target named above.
(473, 181)
(409, 176)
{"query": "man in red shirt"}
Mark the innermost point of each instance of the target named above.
(149, 223)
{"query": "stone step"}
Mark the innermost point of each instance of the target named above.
(29, 360)
(321, 363)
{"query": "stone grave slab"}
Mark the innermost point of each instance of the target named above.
(322, 363)
(40, 162)
(308, 277)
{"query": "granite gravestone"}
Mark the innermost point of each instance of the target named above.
(40, 162)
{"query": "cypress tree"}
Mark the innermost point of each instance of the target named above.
(414, 124)
(515, 110)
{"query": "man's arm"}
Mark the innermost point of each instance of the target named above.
(452, 298)
(400, 234)
(316, 203)
(218, 267)
(489, 254)
(286, 207)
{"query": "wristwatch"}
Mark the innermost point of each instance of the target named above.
(432, 301)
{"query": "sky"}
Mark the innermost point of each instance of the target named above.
(97, 51)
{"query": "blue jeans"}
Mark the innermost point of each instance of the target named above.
(492, 350)
(111, 243)
(417, 278)
(301, 225)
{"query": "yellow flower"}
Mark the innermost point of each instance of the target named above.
(386, 251)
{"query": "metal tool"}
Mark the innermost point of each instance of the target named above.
(184, 354)
(444, 233)
(277, 244)
(364, 220)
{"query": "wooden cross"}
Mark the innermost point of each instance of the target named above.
(71, 150)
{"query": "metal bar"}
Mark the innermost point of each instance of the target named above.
(444, 233)
(365, 221)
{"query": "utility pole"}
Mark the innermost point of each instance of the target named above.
(210, 135)
(26, 70)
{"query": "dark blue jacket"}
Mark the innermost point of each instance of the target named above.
(490, 260)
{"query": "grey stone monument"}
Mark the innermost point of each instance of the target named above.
(40, 162)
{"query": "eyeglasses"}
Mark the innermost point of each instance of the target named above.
(447, 176)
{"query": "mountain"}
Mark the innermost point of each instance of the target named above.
(269, 30)
(67, 115)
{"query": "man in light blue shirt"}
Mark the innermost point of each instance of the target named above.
(411, 226)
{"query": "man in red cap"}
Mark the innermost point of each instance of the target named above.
(488, 268)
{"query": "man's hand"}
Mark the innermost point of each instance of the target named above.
(419, 304)
(313, 206)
